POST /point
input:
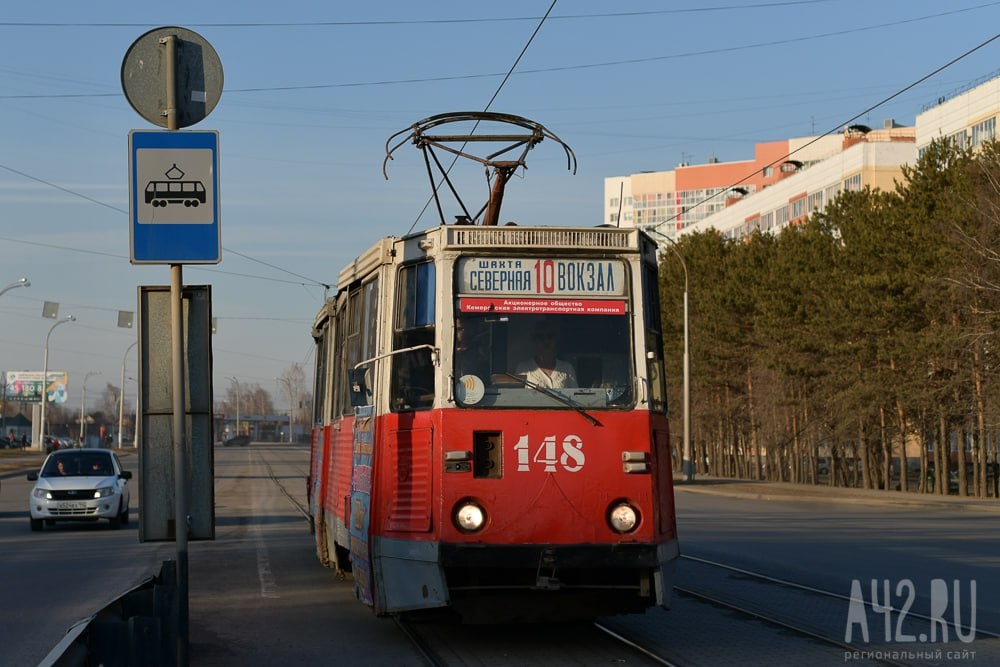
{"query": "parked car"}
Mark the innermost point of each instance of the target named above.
(237, 441)
(80, 485)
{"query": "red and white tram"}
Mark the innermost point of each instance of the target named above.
(490, 426)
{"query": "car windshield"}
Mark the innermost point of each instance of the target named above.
(551, 360)
(79, 465)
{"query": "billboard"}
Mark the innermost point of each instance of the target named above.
(26, 386)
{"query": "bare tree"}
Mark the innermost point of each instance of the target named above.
(293, 379)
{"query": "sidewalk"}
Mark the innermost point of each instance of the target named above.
(741, 488)
(14, 461)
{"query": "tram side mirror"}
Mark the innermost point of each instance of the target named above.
(360, 387)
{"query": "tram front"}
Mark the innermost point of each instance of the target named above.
(553, 485)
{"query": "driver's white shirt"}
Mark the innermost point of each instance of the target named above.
(562, 376)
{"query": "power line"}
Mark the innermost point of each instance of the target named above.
(54, 246)
(546, 70)
(487, 108)
(501, 19)
(317, 283)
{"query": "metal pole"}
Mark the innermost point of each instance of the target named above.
(20, 282)
(291, 412)
(236, 428)
(83, 407)
(180, 461)
(177, 380)
(288, 387)
(45, 380)
(688, 466)
(121, 396)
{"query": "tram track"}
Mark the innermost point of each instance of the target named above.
(798, 613)
(278, 480)
(818, 614)
(527, 645)
(979, 633)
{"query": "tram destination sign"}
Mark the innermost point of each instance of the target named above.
(562, 306)
(540, 276)
(174, 197)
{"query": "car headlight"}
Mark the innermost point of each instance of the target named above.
(623, 518)
(41, 493)
(469, 516)
(104, 492)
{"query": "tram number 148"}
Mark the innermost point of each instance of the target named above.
(549, 455)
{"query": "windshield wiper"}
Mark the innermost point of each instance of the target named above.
(551, 394)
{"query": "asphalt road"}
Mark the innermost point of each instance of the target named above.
(259, 596)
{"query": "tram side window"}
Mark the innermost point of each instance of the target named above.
(412, 385)
(352, 345)
(322, 338)
(338, 363)
(654, 340)
(362, 318)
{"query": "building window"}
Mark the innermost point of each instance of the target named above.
(984, 131)
(853, 183)
(798, 208)
(767, 221)
(781, 216)
(832, 192)
(815, 202)
(768, 172)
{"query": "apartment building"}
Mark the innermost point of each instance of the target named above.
(872, 158)
(786, 181)
(674, 200)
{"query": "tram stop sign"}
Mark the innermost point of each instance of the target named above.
(174, 197)
(173, 176)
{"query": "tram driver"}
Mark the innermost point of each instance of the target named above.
(471, 349)
(544, 368)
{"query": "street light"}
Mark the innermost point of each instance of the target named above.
(45, 378)
(291, 400)
(20, 282)
(83, 403)
(121, 396)
(237, 403)
(687, 465)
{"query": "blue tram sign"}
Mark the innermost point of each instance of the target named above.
(174, 197)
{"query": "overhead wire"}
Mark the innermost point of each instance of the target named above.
(545, 70)
(316, 283)
(496, 93)
(507, 75)
(323, 24)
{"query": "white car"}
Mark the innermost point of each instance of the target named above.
(80, 485)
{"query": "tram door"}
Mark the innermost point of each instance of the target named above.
(362, 314)
(409, 448)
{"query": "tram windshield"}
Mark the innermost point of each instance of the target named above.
(544, 360)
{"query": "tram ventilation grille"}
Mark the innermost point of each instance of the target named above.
(610, 239)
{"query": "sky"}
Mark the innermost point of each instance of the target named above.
(313, 90)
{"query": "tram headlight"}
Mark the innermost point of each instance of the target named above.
(622, 517)
(469, 516)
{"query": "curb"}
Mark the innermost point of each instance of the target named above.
(809, 493)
